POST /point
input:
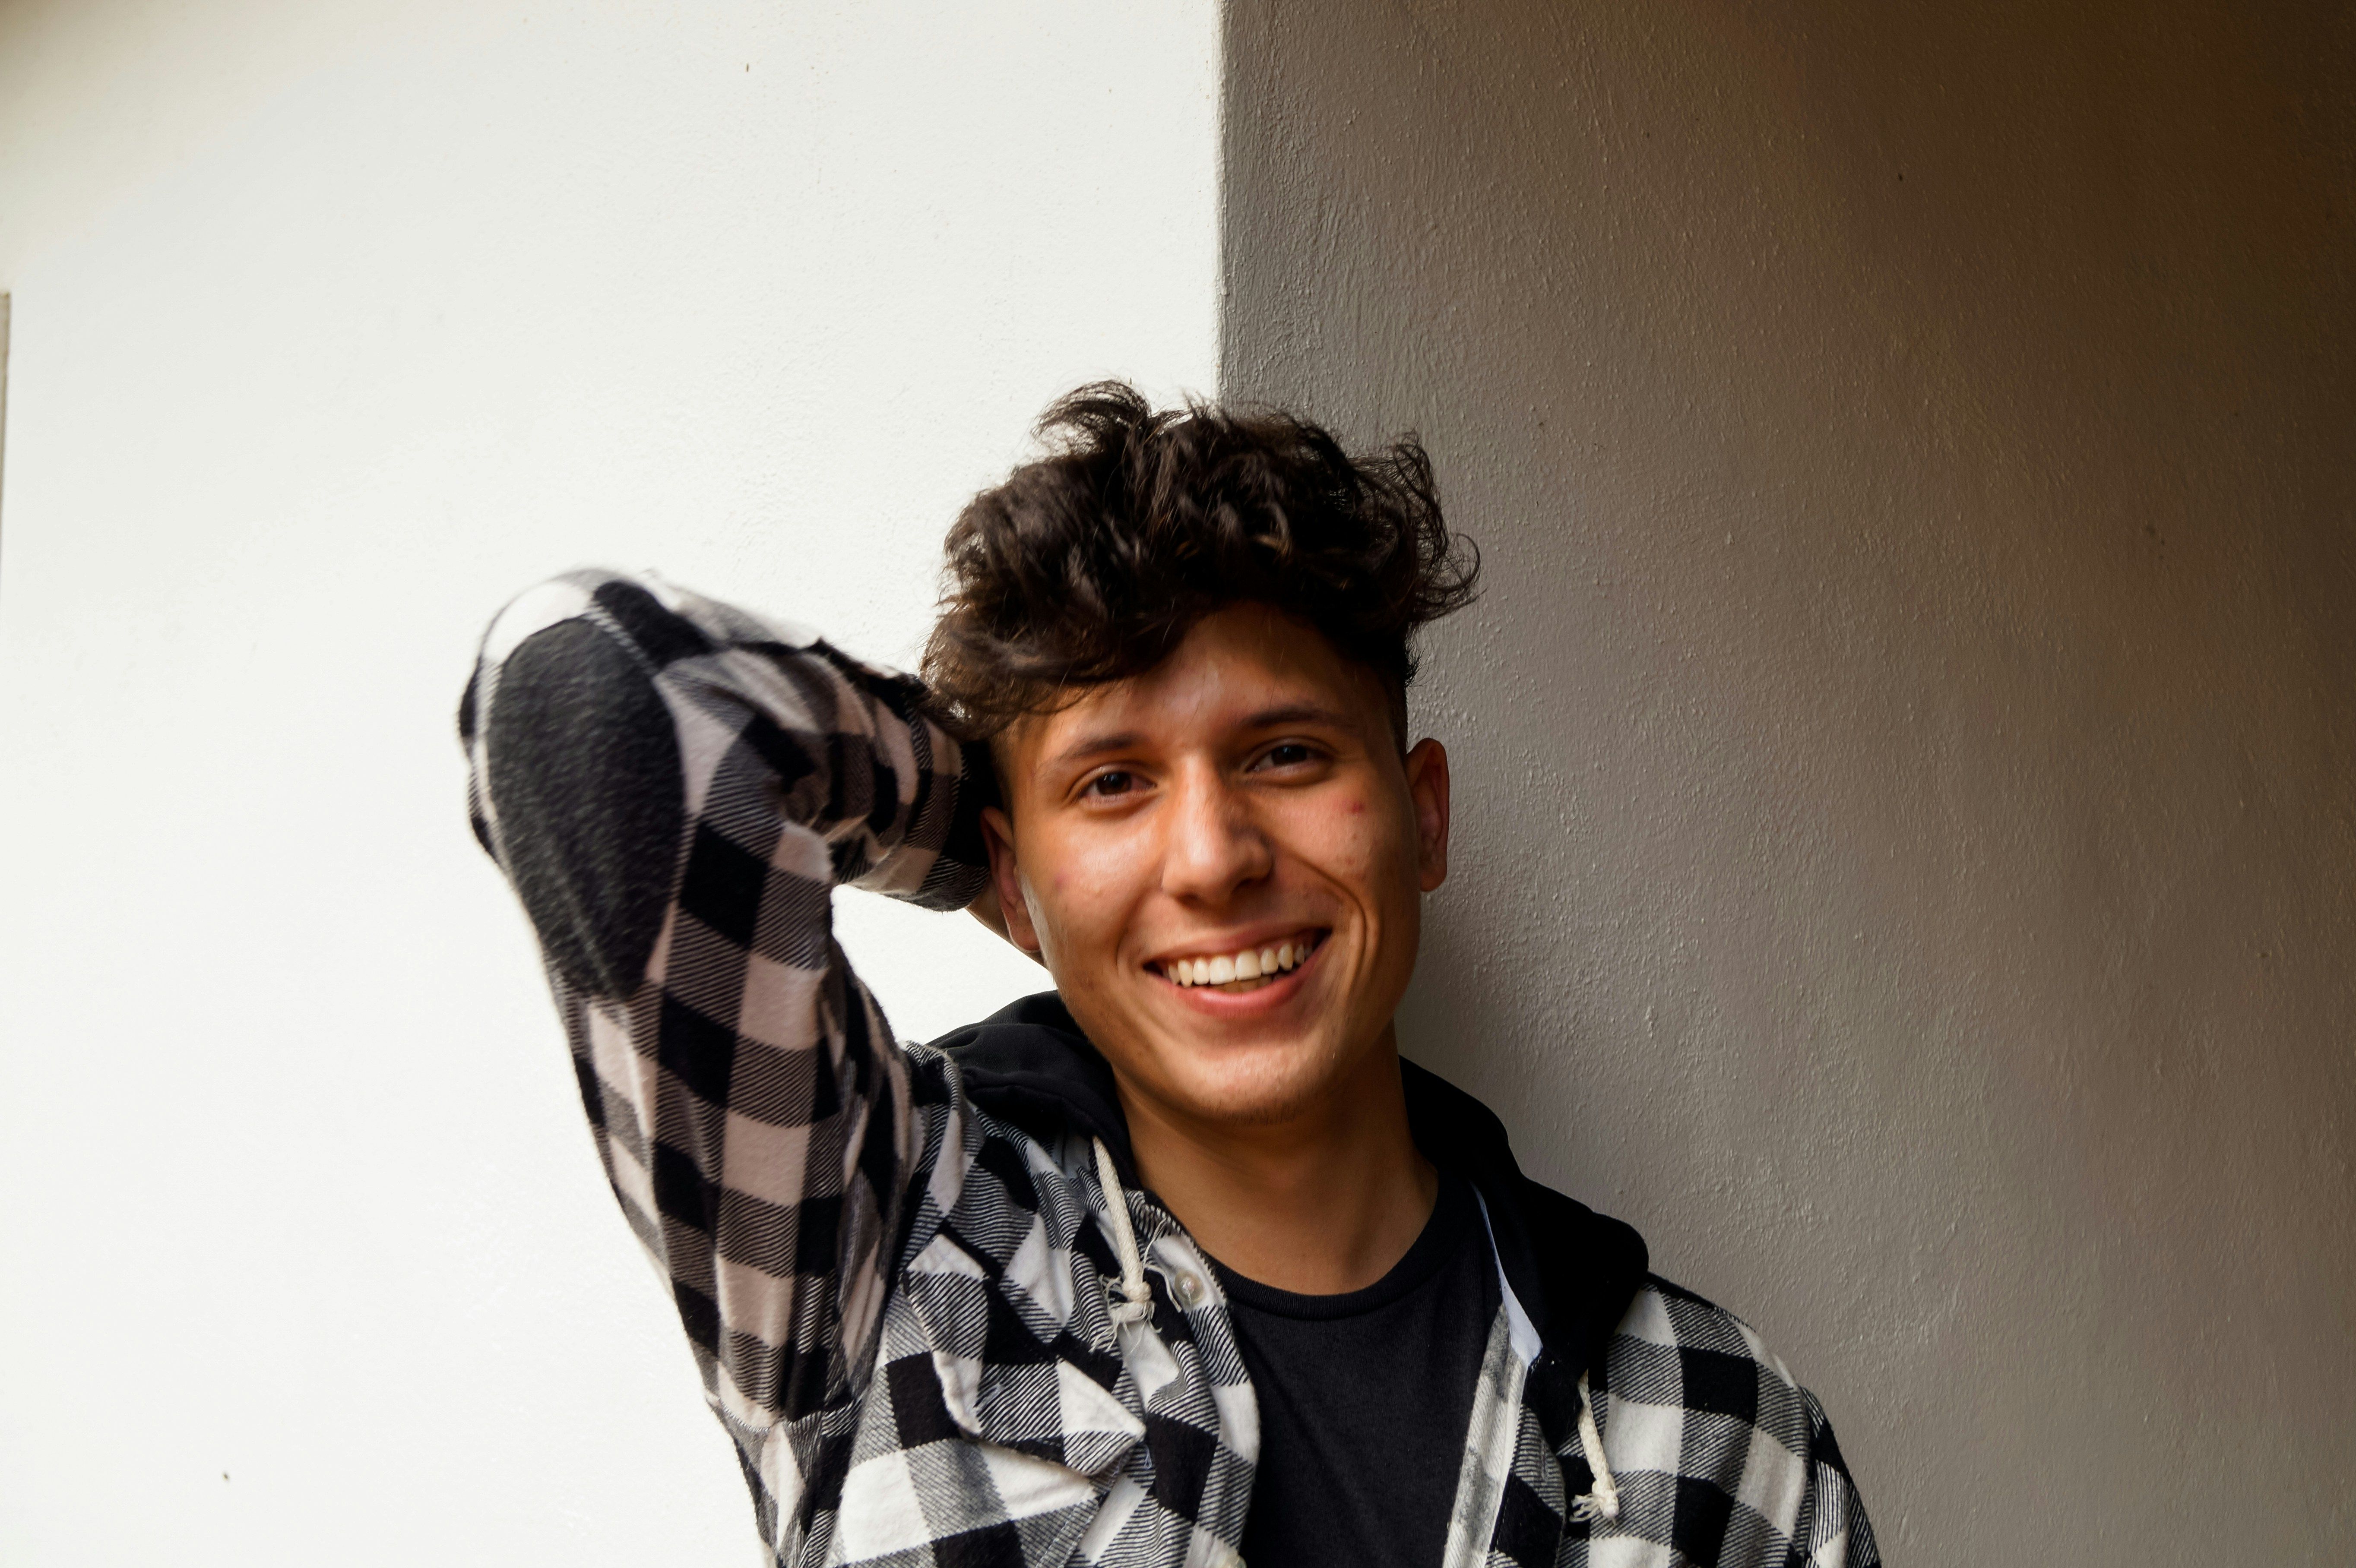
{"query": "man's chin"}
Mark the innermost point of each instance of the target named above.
(1222, 1076)
(1269, 1085)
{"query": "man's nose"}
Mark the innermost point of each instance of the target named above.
(1214, 845)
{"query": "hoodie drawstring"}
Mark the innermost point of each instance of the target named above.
(1602, 1500)
(1136, 1303)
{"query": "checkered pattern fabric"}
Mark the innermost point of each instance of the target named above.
(897, 1302)
(1719, 1455)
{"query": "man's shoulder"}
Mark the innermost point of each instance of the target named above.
(1665, 1314)
(1674, 1348)
(1697, 1385)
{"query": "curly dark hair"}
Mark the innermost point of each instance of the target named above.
(1093, 562)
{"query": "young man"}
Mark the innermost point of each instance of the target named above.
(1178, 1263)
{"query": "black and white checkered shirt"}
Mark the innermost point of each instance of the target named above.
(897, 1287)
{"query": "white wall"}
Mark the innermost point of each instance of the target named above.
(1906, 759)
(334, 324)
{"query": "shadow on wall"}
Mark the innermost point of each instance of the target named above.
(1904, 753)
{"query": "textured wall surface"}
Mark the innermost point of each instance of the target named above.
(336, 322)
(1906, 757)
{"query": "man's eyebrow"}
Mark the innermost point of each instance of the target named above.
(1298, 713)
(1096, 745)
(1109, 741)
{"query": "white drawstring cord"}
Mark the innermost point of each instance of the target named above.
(1137, 1297)
(1602, 1500)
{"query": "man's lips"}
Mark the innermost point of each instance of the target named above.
(1246, 967)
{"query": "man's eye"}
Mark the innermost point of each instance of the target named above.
(1113, 783)
(1291, 754)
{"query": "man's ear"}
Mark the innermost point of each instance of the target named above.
(1013, 922)
(1427, 789)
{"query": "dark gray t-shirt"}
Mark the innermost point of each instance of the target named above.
(1365, 1399)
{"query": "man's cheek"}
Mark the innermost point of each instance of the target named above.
(1070, 930)
(1358, 850)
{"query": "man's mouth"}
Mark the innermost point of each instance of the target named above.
(1245, 969)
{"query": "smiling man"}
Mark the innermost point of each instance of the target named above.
(1179, 1262)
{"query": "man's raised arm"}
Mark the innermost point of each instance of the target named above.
(674, 788)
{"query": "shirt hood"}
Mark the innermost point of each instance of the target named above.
(1573, 1270)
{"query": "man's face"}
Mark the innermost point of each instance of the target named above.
(1246, 797)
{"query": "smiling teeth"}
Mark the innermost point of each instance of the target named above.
(1245, 970)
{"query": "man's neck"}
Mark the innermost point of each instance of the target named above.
(1318, 1203)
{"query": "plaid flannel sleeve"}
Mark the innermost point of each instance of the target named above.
(674, 788)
